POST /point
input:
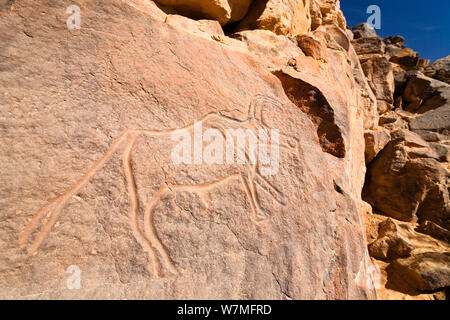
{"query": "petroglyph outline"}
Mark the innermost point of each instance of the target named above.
(148, 237)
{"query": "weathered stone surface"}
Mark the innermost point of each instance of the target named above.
(364, 30)
(224, 11)
(380, 75)
(406, 181)
(391, 243)
(406, 58)
(369, 47)
(395, 283)
(431, 136)
(422, 94)
(391, 51)
(86, 123)
(426, 271)
(396, 41)
(205, 28)
(349, 33)
(392, 121)
(440, 69)
(338, 35)
(375, 142)
(402, 78)
(328, 12)
(368, 101)
(437, 120)
(274, 49)
(280, 16)
(435, 231)
(312, 48)
(292, 16)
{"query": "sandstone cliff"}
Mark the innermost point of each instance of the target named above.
(408, 163)
(88, 118)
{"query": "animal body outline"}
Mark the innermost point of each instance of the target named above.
(148, 238)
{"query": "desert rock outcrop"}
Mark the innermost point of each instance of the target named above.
(408, 161)
(440, 70)
(121, 154)
(89, 126)
(292, 17)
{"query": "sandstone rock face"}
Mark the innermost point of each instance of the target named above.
(422, 94)
(426, 271)
(408, 163)
(375, 142)
(328, 11)
(312, 48)
(391, 243)
(406, 58)
(90, 120)
(292, 16)
(435, 231)
(364, 30)
(392, 120)
(406, 181)
(224, 11)
(437, 120)
(368, 48)
(274, 49)
(280, 16)
(205, 28)
(380, 75)
(440, 70)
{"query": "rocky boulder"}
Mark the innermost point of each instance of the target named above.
(406, 58)
(375, 142)
(380, 75)
(368, 48)
(364, 30)
(312, 47)
(292, 17)
(393, 121)
(224, 11)
(424, 272)
(391, 243)
(328, 12)
(440, 70)
(279, 16)
(275, 49)
(395, 41)
(203, 28)
(422, 94)
(437, 120)
(407, 182)
(434, 230)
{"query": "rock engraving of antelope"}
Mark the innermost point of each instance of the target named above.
(248, 174)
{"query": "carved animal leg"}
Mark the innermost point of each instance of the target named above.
(274, 192)
(152, 237)
(50, 212)
(258, 216)
(153, 264)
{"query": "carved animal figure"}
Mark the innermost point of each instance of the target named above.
(248, 174)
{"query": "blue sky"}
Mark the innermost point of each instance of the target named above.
(424, 24)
